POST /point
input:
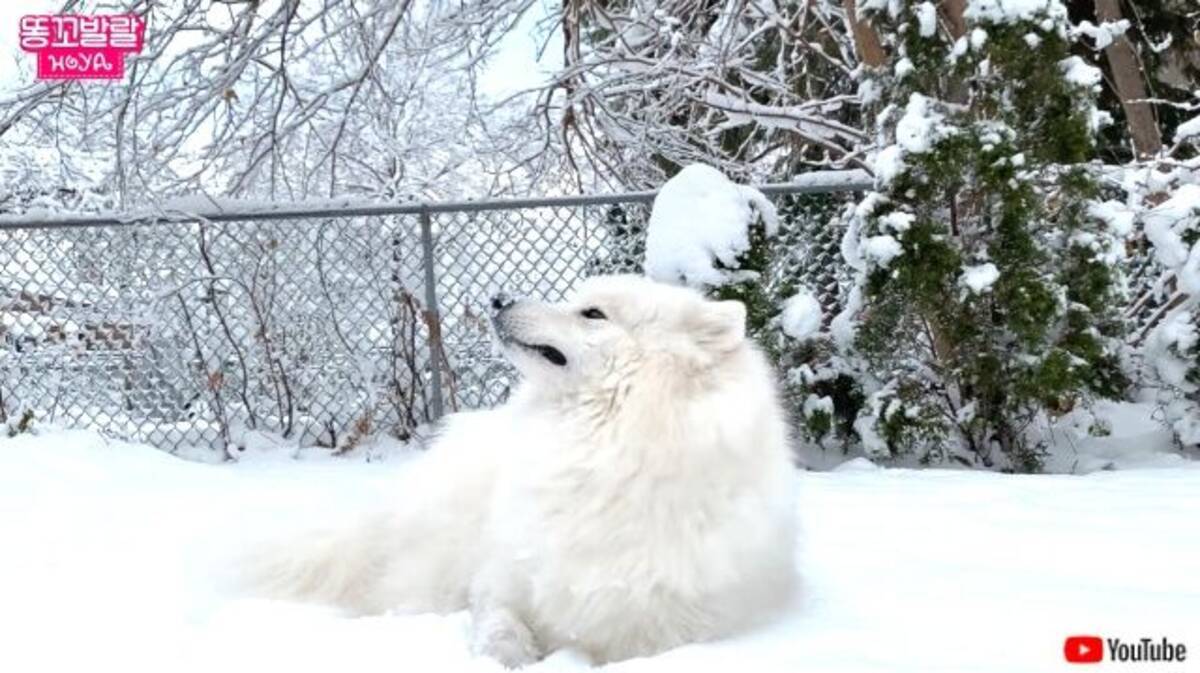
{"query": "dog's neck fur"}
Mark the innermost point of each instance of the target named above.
(625, 403)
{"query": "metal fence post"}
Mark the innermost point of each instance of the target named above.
(433, 318)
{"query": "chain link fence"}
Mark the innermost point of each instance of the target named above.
(325, 326)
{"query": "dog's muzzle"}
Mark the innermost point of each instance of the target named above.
(501, 320)
(502, 302)
(499, 305)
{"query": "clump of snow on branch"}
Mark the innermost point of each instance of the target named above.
(1166, 227)
(1102, 35)
(981, 277)
(1188, 130)
(921, 126)
(1078, 72)
(1164, 349)
(1118, 216)
(881, 249)
(700, 225)
(926, 19)
(1050, 12)
(801, 318)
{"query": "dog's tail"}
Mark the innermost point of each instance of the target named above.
(343, 566)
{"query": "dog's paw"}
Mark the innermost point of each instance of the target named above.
(501, 635)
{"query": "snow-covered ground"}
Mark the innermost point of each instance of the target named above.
(112, 557)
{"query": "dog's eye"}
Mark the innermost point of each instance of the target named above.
(593, 313)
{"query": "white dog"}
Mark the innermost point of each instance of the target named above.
(634, 495)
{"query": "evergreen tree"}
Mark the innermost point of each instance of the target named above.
(1172, 325)
(710, 233)
(986, 287)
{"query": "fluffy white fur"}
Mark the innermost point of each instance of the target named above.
(634, 495)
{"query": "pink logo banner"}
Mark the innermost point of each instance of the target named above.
(75, 46)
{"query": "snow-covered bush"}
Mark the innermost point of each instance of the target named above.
(1173, 354)
(710, 233)
(727, 239)
(1172, 345)
(987, 284)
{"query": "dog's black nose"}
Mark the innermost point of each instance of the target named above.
(502, 301)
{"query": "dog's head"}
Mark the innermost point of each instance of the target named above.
(611, 322)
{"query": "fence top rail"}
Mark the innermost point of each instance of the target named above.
(228, 211)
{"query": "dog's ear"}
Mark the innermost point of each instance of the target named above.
(722, 326)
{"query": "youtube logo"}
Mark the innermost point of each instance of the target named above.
(1083, 649)
(1090, 650)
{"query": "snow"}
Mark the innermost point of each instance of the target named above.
(979, 278)
(1188, 129)
(869, 91)
(524, 58)
(978, 38)
(888, 163)
(1189, 274)
(801, 318)
(921, 125)
(812, 119)
(701, 217)
(820, 181)
(844, 326)
(872, 443)
(1098, 119)
(1165, 222)
(958, 50)
(1079, 72)
(817, 403)
(1010, 11)
(897, 221)
(1118, 216)
(926, 19)
(113, 554)
(1184, 208)
(1165, 347)
(1111, 435)
(881, 249)
(1103, 34)
(892, 6)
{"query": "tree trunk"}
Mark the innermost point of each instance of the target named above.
(866, 40)
(1129, 85)
(952, 11)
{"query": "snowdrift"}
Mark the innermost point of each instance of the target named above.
(114, 557)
